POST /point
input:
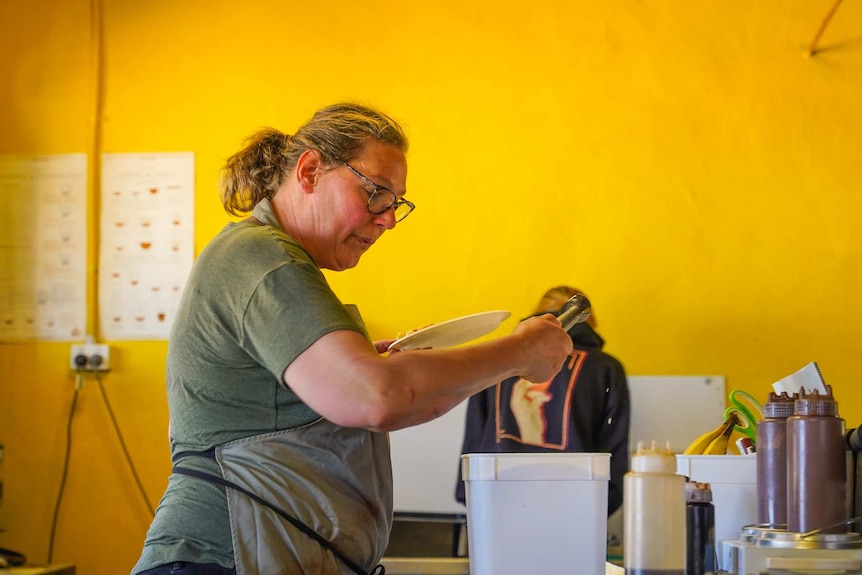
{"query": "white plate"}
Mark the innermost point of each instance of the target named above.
(452, 332)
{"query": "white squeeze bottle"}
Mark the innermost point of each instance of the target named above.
(654, 532)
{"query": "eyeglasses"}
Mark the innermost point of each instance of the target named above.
(382, 199)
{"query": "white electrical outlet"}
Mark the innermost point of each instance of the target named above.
(90, 357)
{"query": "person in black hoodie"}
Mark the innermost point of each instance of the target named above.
(584, 408)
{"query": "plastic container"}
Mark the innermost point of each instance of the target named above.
(654, 514)
(536, 512)
(772, 461)
(700, 529)
(816, 465)
(733, 482)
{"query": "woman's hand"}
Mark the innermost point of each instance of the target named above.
(545, 346)
(382, 346)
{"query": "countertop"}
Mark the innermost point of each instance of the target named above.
(59, 569)
(447, 566)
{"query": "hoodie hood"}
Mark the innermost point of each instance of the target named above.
(583, 336)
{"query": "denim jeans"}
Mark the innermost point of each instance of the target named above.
(185, 568)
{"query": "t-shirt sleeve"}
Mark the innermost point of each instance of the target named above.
(291, 308)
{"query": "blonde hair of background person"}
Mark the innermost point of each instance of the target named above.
(275, 388)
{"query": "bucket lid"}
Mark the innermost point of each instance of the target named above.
(536, 466)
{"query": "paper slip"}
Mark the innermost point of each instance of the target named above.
(808, 378)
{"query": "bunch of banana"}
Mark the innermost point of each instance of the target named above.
(714, 442)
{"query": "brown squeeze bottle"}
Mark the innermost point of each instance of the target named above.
(771, 447)
(816, 465)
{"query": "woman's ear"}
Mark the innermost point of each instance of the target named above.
(308, 169)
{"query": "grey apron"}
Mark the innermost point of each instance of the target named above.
(336, 481)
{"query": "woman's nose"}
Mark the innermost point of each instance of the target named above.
(386, 219)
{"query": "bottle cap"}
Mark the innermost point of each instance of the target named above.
(653, 459)
(815, 403)
(779, 405)
(697, 492)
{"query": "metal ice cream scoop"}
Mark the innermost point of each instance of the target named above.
(575, 311)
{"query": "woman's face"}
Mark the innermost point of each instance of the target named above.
(345, 226)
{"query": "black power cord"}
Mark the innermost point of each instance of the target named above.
(96, 360)
(81, 362)
(78, 379)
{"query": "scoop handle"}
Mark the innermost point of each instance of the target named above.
(575, 311)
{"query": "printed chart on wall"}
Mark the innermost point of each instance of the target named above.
(43, 247)
(147, 242)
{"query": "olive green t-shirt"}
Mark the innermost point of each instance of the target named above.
(255, 300)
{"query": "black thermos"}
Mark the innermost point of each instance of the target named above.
(700, 525)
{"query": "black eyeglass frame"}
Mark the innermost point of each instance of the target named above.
(378, 189)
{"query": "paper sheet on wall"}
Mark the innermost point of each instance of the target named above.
(43, 247)
(147, 242)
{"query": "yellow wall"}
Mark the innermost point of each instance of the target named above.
(684, 163)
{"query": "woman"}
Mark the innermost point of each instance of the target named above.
(279, 401)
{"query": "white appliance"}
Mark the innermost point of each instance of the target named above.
(770, 551)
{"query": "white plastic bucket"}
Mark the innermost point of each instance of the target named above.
(536, 512)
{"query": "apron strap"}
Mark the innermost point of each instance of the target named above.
(378, 570)
(209, 453)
